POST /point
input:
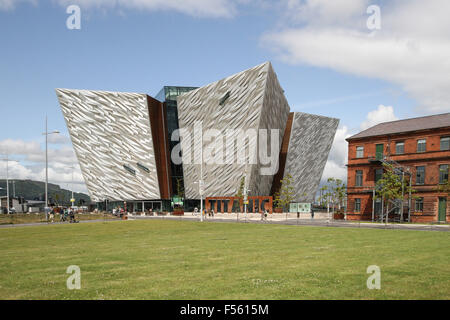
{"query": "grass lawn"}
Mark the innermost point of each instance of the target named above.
(163, 259)
(20, 218)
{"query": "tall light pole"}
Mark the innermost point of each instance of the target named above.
(200, 182)
(72, 200)
(7, 184)
(245, 192)
(46, 133)
(7, 160)
(201, 178)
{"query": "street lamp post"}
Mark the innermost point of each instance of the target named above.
(7, 185)
(200, 182)
(7, 182)
(46, 133)
(201, 179)
(72, 199)
(245, 193)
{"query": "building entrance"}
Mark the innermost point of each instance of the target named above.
(145, 206)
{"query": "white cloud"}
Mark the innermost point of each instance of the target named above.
(7, 5)
(337, 159)
(28, 162)
(412, 49)
(58, 139)
(196, 8)
(381, 114)
(10, 146)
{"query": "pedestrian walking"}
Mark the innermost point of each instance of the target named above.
(72, 216)
(312, 212)
(51, 216)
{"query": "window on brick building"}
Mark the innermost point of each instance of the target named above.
(358, 205)
(443, 173)
(400, 148)
(360, 152)
(421, 145)
(419, 205)
(359, 178)
(420, 175)
(445, 143)
(378, 174)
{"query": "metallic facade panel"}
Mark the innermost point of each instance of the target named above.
(255, 101)
(309, 146)
(111, 132)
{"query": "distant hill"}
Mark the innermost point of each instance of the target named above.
(35, 190)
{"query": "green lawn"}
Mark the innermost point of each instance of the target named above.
(21, 218)
(161, 259)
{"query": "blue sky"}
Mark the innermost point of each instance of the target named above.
(142, 47)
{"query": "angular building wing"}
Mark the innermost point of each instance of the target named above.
(245, 102)
(112, 138)
(311, 137)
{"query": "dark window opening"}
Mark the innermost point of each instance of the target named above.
(420, 175)
(359, 178)
(421, 145)
(443, 173)
(224, 98)
(129, 169)
(445, 143)
(419, 205)
(400, 148)
(357, 205)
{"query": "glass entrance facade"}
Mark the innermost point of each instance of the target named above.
(168, 95)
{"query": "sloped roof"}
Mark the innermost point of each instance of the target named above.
(406, 125)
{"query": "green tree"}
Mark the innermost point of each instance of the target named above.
(180, 188)
(240, 191)
(445, 186)
(277, 201)
(286, 194)
(239, 194)
(391, 187)
(337, 192)
(324, 195)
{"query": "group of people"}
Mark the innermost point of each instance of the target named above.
(205, 213)
(119, 211)
(66, 214)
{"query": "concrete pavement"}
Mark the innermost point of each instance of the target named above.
(320, 220)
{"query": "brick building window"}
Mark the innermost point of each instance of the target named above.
(360, 152)
(359, 178)
(445, 143)
(378, 174)
(400, 148)
(443, 173)
(358, 205)
(419, 205)
(421, 145)
(420, 175)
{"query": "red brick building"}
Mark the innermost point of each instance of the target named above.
(422, 146)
